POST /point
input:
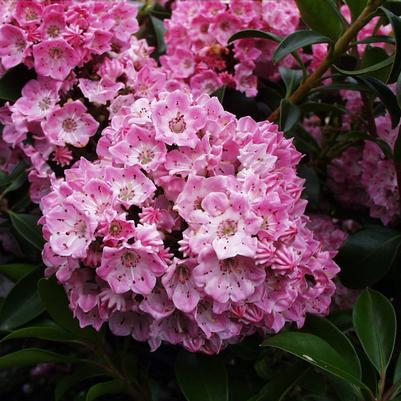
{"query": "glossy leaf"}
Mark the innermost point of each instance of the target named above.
(27, 227)
(356, 7)
(277, 388)
(312, 183)
(295, 41)
(51, 333)
(375, 324)
(317, 352)
(110, 387)
(160, 30)
(322, 16)
(201, 378)
(327, 331)
(363, 251)
(31, 356)
(291, 78)
(372, 68)
(254, 33)
(385, 95)
(15, 271)
(289, 115)
(396, 25)
(22, 304)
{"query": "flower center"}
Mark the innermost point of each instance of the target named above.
(115, 228)
(182, 273)
(30, 14)
(69, 125)
(228, 265)
(146, 156)
(44, 104)
(127, 193)
(227, 228)
(80, 228)
(53, 31)
(129, 259)
(20, 45)
(177, 124)
(55, 53)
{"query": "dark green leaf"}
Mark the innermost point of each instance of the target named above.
(364, 251)
(397, 376)
(82, 373)
(277, 388)
(31, 356)
(372, 68)
(327, 331)
(27, 227)
(305, 142)
(317, 352)
(376, 39)
(15, 271)
(396, 24)
(375, 324)
(254, 33)
(295, 41)
(110, 387)
(356, 7)
(160, 30)
(291, 78)
(289, 115)
(201, 378)
(22, 303)
(55, 301)
(322, 16)
(386, 96)
(50, 333)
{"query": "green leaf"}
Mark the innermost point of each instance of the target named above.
(396, 25)
(110, 387)
(397, 377)
(295, 41)
(305, 142)
(385, 95)
(364, 251)
(50, 333)
(15, 271)
(254, 33)
(160, 30)
(27, 227)
(82, 373)
(56, 303)
(31, 356)
(322, 16)
(376, 39)
(201, 378)
(312, 183)
(356, 7)
(375, 324)
(327, 331)
(22, 303)
(291, 78)
(277, 388)
(317, 352)
(289, 115)
(372, 68)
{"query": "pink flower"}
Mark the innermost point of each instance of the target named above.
(71, 231)
(130, 269)
(229, 279)
(54, 58)
(176, 121)
(100, 91)
(70, 124)
(13, 45)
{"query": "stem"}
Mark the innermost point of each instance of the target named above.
(339, 48)
(370, 115)
(390, 392)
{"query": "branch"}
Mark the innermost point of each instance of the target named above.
(340, 47)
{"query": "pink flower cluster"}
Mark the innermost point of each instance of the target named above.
(85, 56)
(189, 228)
(197, 42)
(365, 177)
